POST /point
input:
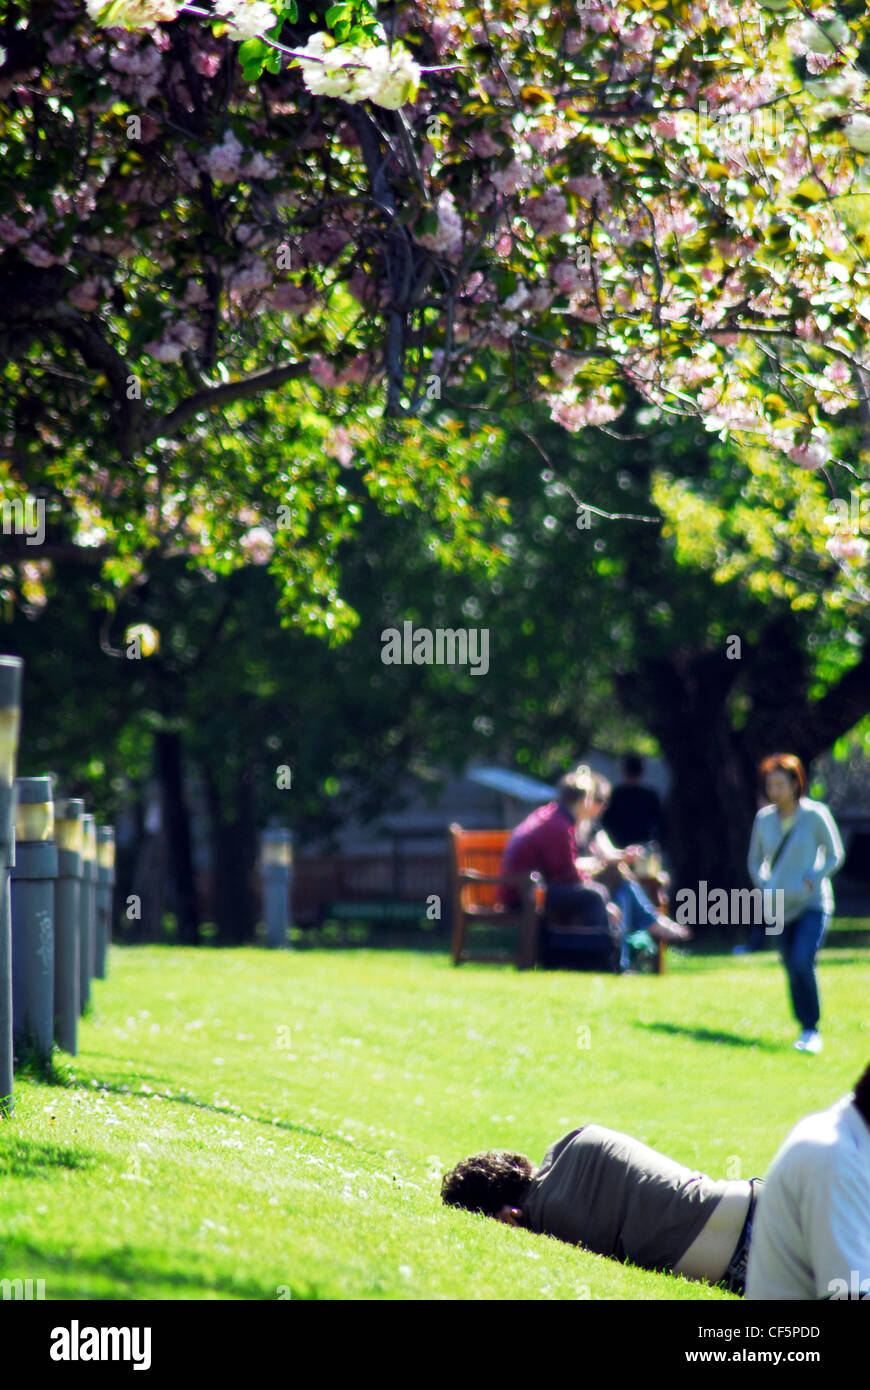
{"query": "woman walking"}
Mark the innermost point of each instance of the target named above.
(795, 847)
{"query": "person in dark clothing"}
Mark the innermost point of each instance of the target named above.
(635, 815)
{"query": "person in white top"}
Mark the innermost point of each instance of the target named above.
(811, 1233)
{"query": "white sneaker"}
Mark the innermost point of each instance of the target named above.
(809, 1041)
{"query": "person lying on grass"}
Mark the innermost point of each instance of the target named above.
(617, 1197)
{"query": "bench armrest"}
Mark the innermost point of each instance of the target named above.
(509, 880)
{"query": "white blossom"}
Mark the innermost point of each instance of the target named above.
(132, 14)
(857, 132)
(249, 18)
(388, 77)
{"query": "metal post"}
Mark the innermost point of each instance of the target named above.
(87, 910)
(33, 879)
(67, 911)
(105, 895)
(276, 858)
(10, 709)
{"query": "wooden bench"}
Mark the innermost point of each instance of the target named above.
(475, 864)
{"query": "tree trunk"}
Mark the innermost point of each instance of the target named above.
(234, 856)
(712, 801)
(176, 827)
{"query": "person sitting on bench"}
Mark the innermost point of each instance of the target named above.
(544, 842)
(615, 1196)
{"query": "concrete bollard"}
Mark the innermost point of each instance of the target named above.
(67, 910)
(87, 910)
(276, 859)
(11, 668)
(33, 879)
(105, 895)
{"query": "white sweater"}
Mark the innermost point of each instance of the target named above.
(814, 850)
(811, 1232)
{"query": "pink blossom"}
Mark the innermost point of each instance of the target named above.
(223, 161)
(517, 175)
(568, 277)
(483, 145)
(11, 233)
(324, 243)
(598, 408)
(292, 299)
(257, 545)
(194, 293)
(63, 52)
(565, 367)
(548, 213)
(322, 372)
(85, 296)
(39, 255)
(206, 64)
(810, 455)
(250, 277)
(849, 548)
(587, 186)
(340, 445)
(447, 238)
(357, 370)
(259, 167)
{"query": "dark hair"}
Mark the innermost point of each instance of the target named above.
(862, 1094)
(487, 1182)
(632, 765)
(784, 762)
(574, 786)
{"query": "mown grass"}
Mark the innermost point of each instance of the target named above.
(246, 1124)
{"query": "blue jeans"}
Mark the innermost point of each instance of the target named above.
(637, 913)
(800, 941)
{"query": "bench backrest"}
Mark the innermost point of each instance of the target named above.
(480, 850)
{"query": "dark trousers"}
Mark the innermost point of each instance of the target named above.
(800, 941)
(579, 906)
(585, 904)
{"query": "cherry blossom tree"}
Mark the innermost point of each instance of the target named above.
(375, 212)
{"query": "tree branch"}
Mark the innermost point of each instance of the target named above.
(213, 396)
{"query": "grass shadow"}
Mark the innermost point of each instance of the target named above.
(126, 1266)
(679, 1030)
(28, 1158)
(185, 1097)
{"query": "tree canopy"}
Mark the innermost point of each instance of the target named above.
(211, 249)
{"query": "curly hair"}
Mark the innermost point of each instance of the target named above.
(862, 1094)
(487, 1182)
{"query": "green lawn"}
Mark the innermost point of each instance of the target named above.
(243, 1122)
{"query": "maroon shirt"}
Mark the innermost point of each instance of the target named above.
(544, 842)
